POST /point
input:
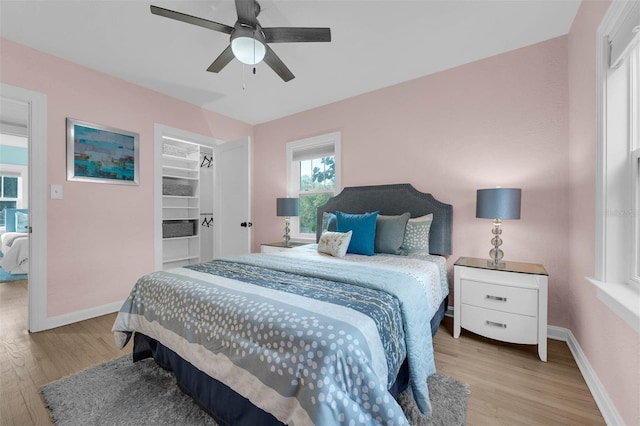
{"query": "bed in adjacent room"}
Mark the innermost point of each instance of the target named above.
(311, 335)
(14, 242)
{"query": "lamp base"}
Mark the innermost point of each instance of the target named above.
(286, 238)
(496, 254)
(499, 265)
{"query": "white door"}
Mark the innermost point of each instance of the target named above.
(232, 201)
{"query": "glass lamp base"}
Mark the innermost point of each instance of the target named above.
(496, 254)
(492, 264)
(286, 238)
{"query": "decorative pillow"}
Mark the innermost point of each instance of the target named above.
(334, 243)
(416, 236)
(390, 233)
(22, 222)
(328, 222)
(364, 231)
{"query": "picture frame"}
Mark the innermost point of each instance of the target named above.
(102, 154)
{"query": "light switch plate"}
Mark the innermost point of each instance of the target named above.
(56, 192)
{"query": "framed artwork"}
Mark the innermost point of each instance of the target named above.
(101, 154)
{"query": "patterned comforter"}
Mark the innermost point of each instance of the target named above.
(299, 334)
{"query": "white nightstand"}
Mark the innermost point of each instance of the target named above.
(507, 303)
(278, 247)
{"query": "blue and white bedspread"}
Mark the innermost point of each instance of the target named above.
(297, 333)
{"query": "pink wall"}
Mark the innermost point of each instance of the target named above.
(499, 121)
(523, 119)
(100, 237)
(612, 347)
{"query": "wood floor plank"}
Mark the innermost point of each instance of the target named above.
(509, 385)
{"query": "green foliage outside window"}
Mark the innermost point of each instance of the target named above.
(308, 206)
(317, 177)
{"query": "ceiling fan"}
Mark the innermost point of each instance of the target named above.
(248, 38)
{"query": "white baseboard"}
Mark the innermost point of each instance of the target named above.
(60, 320)
(607, 409)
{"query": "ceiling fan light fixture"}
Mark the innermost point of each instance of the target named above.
(248, 50)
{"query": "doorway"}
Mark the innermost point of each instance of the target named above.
(222, 204)
(35, 104)
(14, 193)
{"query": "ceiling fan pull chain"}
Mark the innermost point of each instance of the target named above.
(243, 82)
(254, 51)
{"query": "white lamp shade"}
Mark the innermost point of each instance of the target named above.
(248, 50)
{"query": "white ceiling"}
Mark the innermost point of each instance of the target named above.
(374, 44)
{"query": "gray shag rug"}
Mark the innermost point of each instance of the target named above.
(121, 392)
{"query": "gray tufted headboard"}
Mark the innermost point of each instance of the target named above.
(395, 200)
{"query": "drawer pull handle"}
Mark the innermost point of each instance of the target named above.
(497, 324)
(498, 298)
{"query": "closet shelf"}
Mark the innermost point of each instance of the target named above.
(168, 176)
(181, 203)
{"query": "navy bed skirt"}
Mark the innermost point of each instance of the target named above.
(225, 405)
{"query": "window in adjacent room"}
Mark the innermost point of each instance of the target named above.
(617, 271)
(313, 175)
(8, 194)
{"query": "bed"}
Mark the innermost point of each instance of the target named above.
(14, 242)
(302, 337)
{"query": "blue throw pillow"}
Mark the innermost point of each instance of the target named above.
(328, 222)
(22, 222)
(363, 228)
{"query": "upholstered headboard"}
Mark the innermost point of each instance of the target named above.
(395, 200)
(10, 219)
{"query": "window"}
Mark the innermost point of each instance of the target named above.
(634, 157)
(313, 175)
(8, 194)
(617, 271)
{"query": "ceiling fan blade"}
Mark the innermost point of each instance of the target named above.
(247, 12)
(277, 65)
(194, 20)
(221, 61)
(293, 35)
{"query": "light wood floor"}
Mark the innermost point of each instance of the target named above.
(509, 384)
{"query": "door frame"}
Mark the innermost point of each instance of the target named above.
(37, 146)
(161, 131)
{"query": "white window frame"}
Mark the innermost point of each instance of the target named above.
(617, 228)
(293, 172)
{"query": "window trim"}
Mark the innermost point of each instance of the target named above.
(293, 178)
(622, 298)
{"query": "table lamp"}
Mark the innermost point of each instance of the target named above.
(497, 204)
(287, 207)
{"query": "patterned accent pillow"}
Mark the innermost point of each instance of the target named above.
(416, 236)
(334, 243)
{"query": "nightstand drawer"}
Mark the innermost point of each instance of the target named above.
(500, 297)
(502, 326)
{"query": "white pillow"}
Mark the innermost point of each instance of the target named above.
(416, 235)
(334, 243)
